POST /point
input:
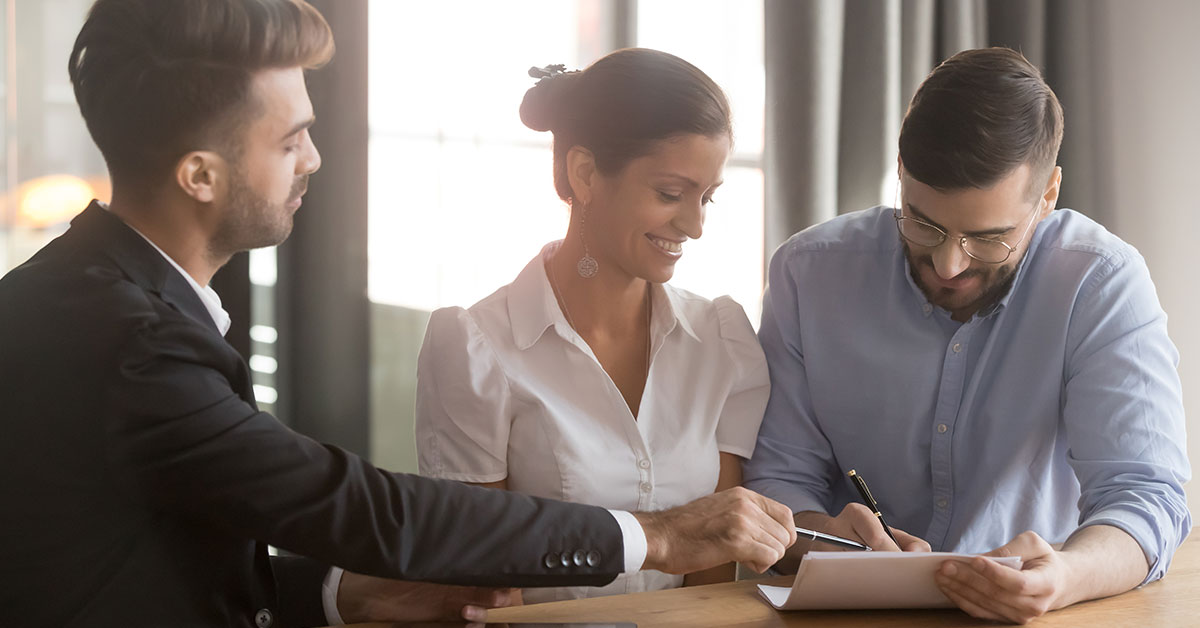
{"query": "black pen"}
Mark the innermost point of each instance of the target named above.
(813, 535)
(870, 502)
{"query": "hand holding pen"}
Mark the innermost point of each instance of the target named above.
(869, 502)
(858, 526)
(867, 522)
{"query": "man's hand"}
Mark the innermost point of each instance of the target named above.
(364, 598)
(989, 590)
(734, 525)
(1097, 561)
(857, 522)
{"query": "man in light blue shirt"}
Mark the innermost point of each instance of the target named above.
(999, 371)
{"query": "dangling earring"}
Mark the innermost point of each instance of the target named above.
(587, 265)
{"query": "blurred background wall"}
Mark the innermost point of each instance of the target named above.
(433, 193)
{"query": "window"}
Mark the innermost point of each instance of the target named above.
(460, 196)
(725, 39)
(49, 167)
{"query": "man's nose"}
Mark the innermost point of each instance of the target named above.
(950, 260)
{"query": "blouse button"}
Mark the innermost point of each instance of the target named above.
(645, 464)
(645, 487)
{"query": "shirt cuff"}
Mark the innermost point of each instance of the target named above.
(633, 537)
(329, 590)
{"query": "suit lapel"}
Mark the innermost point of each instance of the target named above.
(139, 260)
(98, 229)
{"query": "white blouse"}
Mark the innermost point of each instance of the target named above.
(507, 389)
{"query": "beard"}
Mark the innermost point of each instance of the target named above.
(252, 221)
(994, 284)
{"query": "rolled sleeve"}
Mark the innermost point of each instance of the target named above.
(1123, 412)
(793, 460)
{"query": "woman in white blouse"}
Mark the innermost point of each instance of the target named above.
(589, 378)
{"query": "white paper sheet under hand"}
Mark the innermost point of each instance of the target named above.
(846, 580)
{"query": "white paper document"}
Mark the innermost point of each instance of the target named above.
(846, 580)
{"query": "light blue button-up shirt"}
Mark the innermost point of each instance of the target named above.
(1056, 408)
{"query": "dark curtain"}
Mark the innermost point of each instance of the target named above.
(321, 296)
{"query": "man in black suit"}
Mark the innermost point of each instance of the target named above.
(140, 483)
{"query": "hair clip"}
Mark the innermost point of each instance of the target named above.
(550, 71)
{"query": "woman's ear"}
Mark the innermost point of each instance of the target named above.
(581, 173)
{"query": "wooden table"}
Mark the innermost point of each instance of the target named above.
(1170, 602)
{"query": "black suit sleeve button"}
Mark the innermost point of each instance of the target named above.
(263, 618)
(550, 560)
(579, 558)
(593, 558)
(565, 559)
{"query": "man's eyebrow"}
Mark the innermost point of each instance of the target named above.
(982, 233)
(300, 126)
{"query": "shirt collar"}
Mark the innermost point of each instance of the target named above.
(533, 309)
(208, 296)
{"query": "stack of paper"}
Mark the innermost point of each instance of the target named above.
(844, 580)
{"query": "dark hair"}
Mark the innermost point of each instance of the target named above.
(977, 117)
(621, 105)
(157, 79)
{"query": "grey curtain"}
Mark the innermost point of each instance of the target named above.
(840, 74)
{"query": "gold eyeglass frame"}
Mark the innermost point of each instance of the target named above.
(962, 240)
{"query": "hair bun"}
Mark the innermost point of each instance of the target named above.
(545, 103)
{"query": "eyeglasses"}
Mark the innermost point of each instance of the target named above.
(985, 250)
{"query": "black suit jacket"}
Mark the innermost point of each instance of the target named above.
(140, 484)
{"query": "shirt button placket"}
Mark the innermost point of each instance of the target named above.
(645, 481)
(950, 393)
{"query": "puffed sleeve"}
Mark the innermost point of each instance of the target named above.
(737, 427)
(463, 402)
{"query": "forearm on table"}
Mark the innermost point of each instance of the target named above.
(1103, 560)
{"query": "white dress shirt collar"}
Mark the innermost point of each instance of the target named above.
(533, 307)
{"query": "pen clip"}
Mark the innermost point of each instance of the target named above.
(864, 490)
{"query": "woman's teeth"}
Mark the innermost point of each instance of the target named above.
(667, 245)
